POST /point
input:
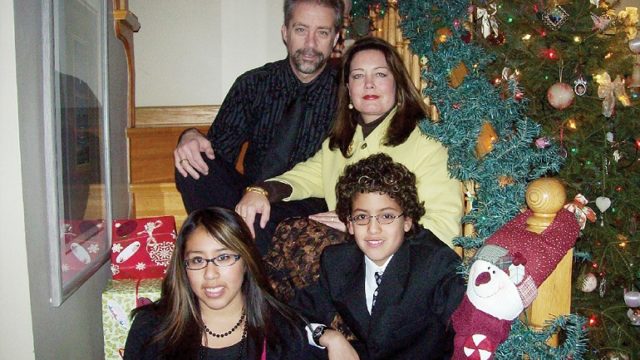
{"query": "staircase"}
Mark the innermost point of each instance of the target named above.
(151, 144)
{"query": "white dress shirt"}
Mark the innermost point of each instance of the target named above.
(370, 280)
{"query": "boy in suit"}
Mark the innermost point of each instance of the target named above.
(396, 285)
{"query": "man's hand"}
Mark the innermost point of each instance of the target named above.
(338, 348)
(187, 157)
(329, 218)
(253, 203)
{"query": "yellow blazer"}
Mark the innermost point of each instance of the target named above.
(426, 158)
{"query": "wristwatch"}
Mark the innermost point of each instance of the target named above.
(318, 332)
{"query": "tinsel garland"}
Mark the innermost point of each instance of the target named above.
(574, 344)
(502, 175)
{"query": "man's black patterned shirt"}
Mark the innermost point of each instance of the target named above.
(254, 105)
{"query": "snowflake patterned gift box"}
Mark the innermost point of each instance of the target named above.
(142, 248)
(118, 299)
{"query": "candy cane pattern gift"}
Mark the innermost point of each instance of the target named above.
(142, 248)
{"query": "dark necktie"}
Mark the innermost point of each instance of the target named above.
(286, 136)
(378, 276)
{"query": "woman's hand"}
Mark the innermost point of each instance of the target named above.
(338, 348)
(187, 156)
(329, 218)
(253, 203)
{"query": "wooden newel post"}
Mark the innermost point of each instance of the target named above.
(545, 197)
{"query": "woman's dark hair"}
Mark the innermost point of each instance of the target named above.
(411, 107)
(181, 326)
(378, 173)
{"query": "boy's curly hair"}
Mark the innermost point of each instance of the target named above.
(379, 173)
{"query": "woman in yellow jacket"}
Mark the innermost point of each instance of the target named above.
(378, 111)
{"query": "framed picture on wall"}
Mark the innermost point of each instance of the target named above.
(77, 142)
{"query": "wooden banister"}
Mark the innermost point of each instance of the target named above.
(125, 24)
(388, 29)
(545, 197)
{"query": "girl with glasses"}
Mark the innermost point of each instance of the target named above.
(216, 302)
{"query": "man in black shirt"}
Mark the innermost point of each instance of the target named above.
(282, 109)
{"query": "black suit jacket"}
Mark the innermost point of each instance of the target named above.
(419, 291)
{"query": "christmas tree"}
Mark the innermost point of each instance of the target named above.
(573, 62)
(539, 81)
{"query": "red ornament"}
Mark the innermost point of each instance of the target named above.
(560, 96)
(519, 95)
(466, 37)
(496, 39)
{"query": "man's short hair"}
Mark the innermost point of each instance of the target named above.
(378, 173)
(336, 5)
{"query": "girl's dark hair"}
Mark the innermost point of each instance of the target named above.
(181, 326)
(380, 174)
(411, 107)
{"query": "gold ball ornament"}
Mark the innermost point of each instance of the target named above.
(560, 96)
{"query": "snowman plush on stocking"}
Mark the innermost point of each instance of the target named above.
(503, 280)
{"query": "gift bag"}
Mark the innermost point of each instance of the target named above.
(118, 299)
(142, 248)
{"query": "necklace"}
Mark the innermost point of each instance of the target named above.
(234, 328)
(202, 353)
(243, 341)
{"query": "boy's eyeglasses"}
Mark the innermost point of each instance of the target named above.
(383, 219)
(199, 263)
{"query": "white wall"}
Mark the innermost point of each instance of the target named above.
(16, 340)
(190, 52)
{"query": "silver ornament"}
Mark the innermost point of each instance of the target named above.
(634, 45)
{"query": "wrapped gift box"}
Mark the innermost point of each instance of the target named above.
(118, 299)
(142, 248)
